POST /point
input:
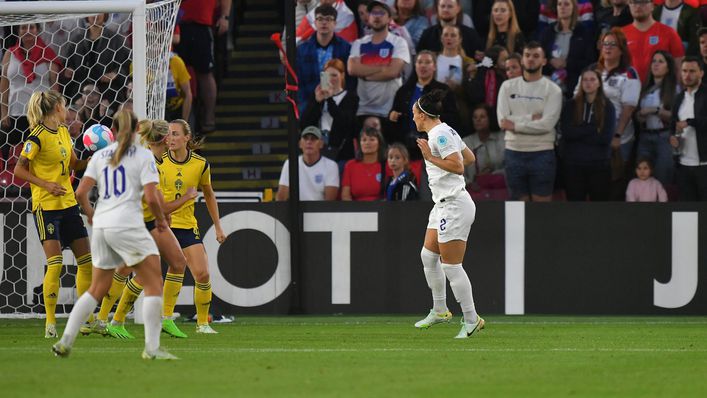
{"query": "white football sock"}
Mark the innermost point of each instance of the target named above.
(79, 315)
(435, 279)
(152, 311)
(461, 287)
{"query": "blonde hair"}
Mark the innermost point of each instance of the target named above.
(152, 131)
(193, 144)
(41, 104)
(124, 123)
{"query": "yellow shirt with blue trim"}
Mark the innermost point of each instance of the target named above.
(176, 178)
(146, 212)
(49, 152)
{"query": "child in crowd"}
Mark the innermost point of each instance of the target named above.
(645, 188)
(402, 185)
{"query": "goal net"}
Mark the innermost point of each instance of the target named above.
(102, 56)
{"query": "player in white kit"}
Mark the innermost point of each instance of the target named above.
(122, 171)
(451, 217)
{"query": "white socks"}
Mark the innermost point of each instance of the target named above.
(461, 287)
(79, 315)
(435, 280)
(152, 310)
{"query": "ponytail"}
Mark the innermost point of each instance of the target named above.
(41, 104)
(125, 124)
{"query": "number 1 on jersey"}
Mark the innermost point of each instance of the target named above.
(118, 182)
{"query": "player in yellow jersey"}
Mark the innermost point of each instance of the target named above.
(153, 134)
(183, 169)
(46, 163)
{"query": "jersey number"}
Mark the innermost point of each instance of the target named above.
(118, 182)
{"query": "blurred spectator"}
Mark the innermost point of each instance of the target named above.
(400, 115)
(373, 122)
(411, 16)
(333, 109)
(504, 30)
(99, 57)
(548, 15)
(689, 122)
(345, 25)
(645, 188)
(528, 110)
(486, 174)
(570, 47)
(179, 96)
(200, 21)
(488, 79)
(318, 176)
(703, 47)
(466, 19)
(394, 28)
(454, 67)
(684, 19)
(363, 177)
(57, 34)
(73, 123)
(527, 11)
(588, 123)
(28, 66)
(654, 113)
(378, 60)
(302, 8)
(613, 14)
(92, 108)
(402, 186)
(315, 52)
(645, 36)
(448, 12)
(513, 66)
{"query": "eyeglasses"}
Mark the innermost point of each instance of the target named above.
(325, 19)
(609, 44)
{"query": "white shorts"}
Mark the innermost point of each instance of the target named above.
(111, 247)
(452, 217)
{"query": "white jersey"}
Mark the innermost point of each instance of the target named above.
(120, 188)
(444, 141)
(312, 179)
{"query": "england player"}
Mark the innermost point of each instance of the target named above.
(451, 217)
(122, 171)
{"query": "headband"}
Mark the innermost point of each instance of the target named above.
(424, 111)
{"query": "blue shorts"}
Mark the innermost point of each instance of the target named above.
(530, 173)
(187, 237)
(150, 225)
(64, 225)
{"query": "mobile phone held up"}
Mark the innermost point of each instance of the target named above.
(324, 80)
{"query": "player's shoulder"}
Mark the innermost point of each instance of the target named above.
(195, 157)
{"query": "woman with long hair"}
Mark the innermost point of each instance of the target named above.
(587, 123)
(488, 145)
(654, 114)
(122, 172)
(411, 15)
(453, 68)
(503, 27)
(46, 162)
(364, 176)
(401, 185)
(450, 219)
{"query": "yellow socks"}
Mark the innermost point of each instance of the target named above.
(172, 286)
(127, 300)
(83, 276)
(116, 289)
(50, 287)
(202, 301)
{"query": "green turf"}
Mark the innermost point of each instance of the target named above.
(372, 356)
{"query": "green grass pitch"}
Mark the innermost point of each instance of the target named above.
(377, 356)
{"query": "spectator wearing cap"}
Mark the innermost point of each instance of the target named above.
(315, 52)
(682, 17)
(449, 13)
(318, 176)
(378, 60)
(345, 22)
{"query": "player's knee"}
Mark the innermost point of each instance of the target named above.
(201, 276)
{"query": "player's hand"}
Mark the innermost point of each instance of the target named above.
(168, 218)
(55, 189)
(424, 148)
(220, 236)
(191, 193)
(161, 225)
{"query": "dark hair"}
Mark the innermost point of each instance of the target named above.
(645, 160)
(532, 45)
(494, 52)
(372, 132)
(693, 58)
(431, 103)
(599, 102)
(515, 56)
(416, 8)
(667, 86)
(701, 31)
(490, 113)
(326, 10)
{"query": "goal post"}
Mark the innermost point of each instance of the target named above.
(135, 54)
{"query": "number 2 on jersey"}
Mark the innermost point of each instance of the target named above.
(118, 182)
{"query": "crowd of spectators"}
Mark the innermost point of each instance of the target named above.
(558, 99)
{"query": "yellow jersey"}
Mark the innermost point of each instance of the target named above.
(49, 152)
(146, 212)
(176, 178)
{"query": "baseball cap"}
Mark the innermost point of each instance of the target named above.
(313, 130)
(380, 4)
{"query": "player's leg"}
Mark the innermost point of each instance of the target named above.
(171, 252)
(120, 278)
(434, 276)
(131, 292)
(199, 268)
(50, 284)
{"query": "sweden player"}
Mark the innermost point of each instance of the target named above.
(451, 217)
(46, 163)
(122, 172)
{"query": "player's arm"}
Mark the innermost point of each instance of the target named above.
(212, 207)
(153, 202)
(453, 163)
(82, 192)
(468, 156)
(22, 171)
(171, 207)
(77, 164)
